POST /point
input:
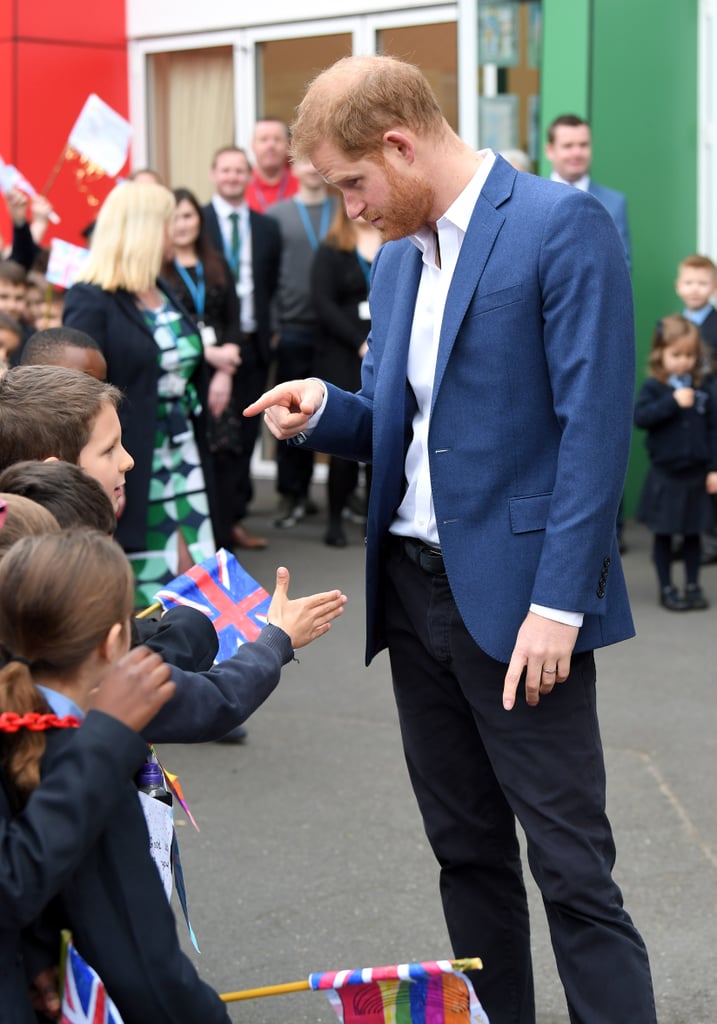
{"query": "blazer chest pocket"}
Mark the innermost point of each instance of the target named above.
(530, 513)
(495, 300)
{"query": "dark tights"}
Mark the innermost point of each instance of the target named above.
(343, 481)
(662, 556)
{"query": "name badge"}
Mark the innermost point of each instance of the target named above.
(364, 310)
(208, 335)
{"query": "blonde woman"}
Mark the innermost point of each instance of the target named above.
(154, 355)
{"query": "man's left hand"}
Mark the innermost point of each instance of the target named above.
(543, 648)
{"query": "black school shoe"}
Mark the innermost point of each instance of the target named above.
(671, 600)
(695, 598)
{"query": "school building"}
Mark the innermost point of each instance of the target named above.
(191, 76)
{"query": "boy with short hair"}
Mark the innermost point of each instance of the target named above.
(52, 412)
(12, 289)
(68, 347)
(10, 338)
(72, 496)
(696, 284)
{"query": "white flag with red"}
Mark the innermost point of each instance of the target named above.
(101, 135)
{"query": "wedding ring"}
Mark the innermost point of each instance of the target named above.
(549, 671)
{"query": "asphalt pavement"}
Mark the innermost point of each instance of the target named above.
(312, 856)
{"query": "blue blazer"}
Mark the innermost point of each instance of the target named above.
(531, 412)
(616, 205)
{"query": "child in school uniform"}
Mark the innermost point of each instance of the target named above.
(696, 285)
(681, 424)
(65, 604)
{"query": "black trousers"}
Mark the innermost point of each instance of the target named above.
(476, 768)
(294, 361)
(251, 379)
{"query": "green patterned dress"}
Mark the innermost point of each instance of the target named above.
(177, 493)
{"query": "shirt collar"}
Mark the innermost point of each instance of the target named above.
(698, 316)
(582, 183)
(461, 209)
(225, 209)
(60, 704)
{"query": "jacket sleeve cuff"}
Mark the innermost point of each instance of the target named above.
(278, 640)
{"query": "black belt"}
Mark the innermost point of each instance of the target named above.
(426, 558)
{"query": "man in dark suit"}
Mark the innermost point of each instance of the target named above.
(569, 150)
(252, 246)
(496, 408)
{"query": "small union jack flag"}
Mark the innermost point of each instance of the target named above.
(221, 589)
(85, 1000)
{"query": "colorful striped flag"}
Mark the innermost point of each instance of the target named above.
(433, 992)
(84, 999)
(221, 589)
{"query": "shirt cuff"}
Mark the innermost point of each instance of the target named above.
(567, 618)
(319, 412)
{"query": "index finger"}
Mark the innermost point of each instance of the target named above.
(512, 680)
(279, 395)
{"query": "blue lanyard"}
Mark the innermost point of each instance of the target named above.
(309, 227)
(263, 202)
(198, 290)
(366, 267)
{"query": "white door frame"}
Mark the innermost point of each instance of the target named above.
(244, 42)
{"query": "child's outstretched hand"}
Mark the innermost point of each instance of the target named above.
(134, 688)
(304, 618)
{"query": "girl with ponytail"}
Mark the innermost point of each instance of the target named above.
(65, 603)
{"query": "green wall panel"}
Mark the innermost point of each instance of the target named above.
(630, 67)
(565, 80)
(644, 119)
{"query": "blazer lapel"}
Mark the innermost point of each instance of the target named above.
(401, 294)
(131, 310)
(391, 385)
(483, 229)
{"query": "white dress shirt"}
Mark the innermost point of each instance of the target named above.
(582, 183)
(245, 281)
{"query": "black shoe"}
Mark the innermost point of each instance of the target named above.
(356, 509)
(695, 598)
(335, 537)
(237, 735)
(670, 599)
(290, 512)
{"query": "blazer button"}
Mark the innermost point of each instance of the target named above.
(600, 591)
(606, 562)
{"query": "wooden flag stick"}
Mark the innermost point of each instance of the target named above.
(267, 990)
(468, 964)
(56, 169)
(149, 611)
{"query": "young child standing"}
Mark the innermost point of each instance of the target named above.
(65, 604)
(682, 444)
(696, 284)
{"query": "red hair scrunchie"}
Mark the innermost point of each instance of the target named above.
(10, 721)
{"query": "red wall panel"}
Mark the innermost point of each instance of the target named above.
(7, 19)
(79, 21)
(7, 121)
